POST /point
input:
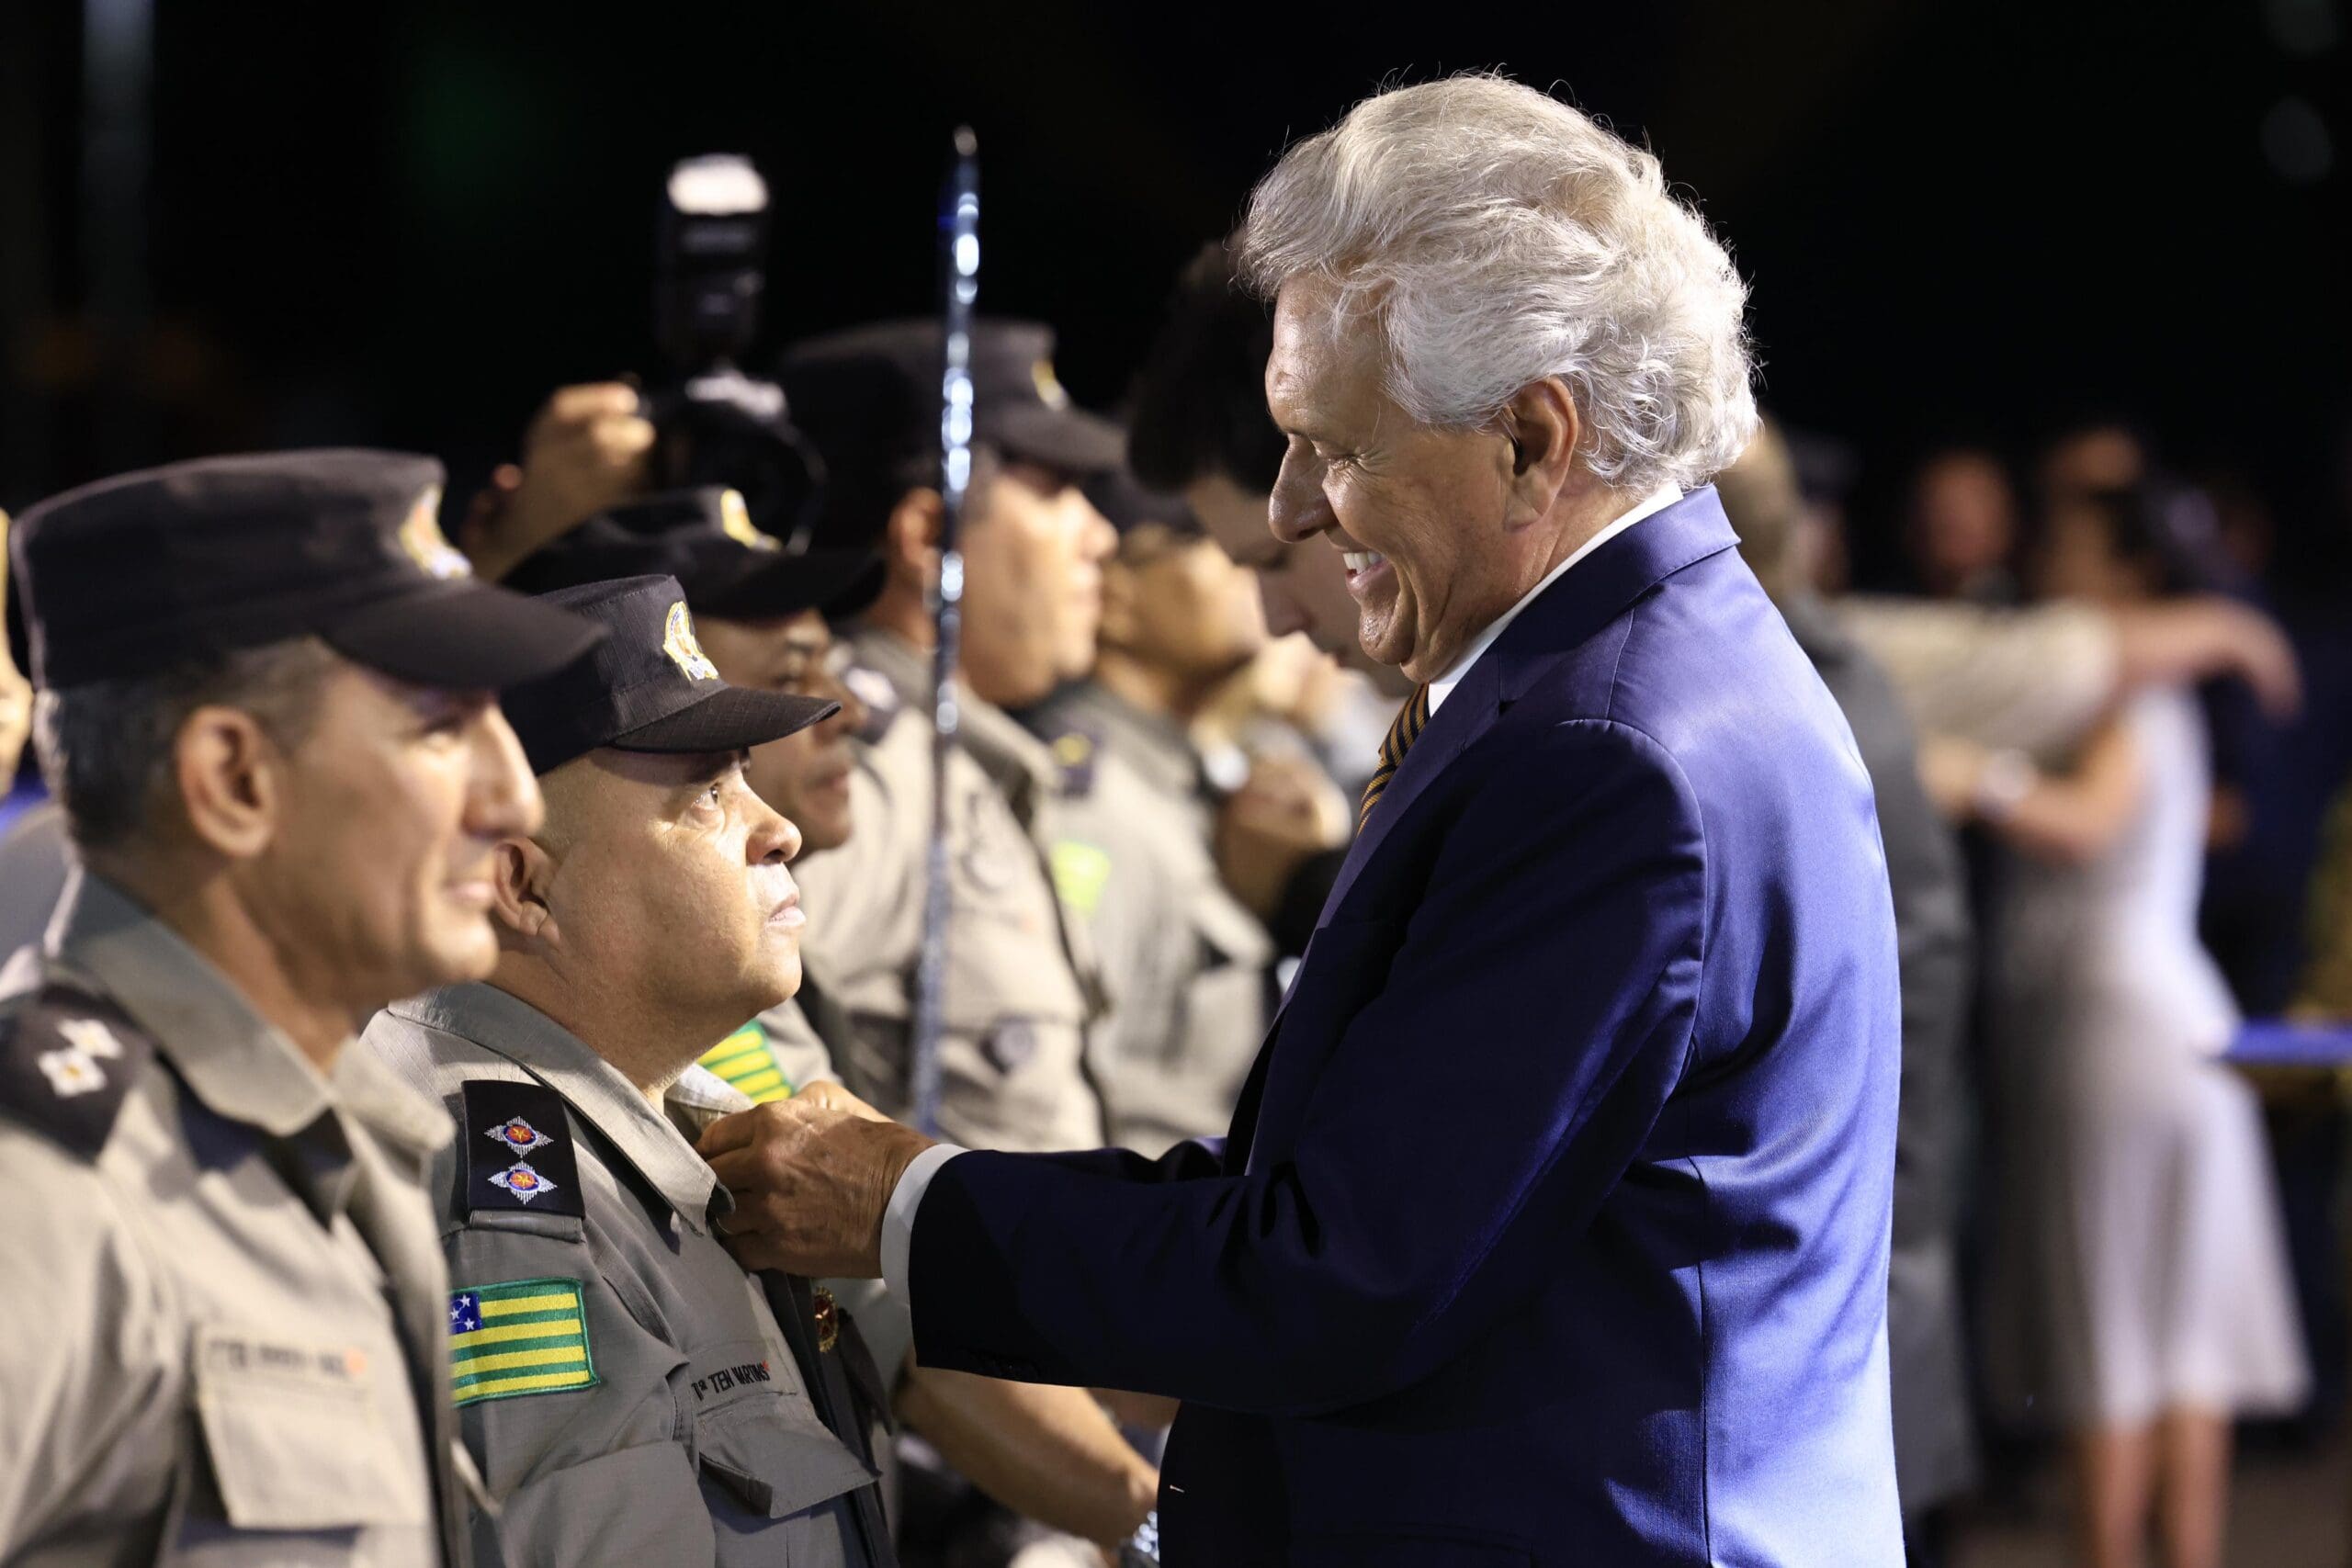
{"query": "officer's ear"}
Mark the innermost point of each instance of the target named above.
(911, 540)
(233, 781)
(521, 873)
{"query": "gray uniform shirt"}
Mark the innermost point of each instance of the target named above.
(221, 1281)
(1184, 966)
(35, 858)
(1019, 989)
(662, 1419)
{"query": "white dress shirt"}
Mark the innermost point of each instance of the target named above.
(898, 1218)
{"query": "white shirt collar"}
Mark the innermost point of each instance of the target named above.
(1443, 687)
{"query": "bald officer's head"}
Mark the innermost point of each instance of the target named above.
(652, 912)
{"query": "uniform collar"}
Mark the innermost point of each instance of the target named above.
(1017, 760)
(1153, 744)
(508, 1026)
(897, 661)
(239, 1064)
(699, 1098)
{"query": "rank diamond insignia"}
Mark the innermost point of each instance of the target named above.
(90, 1037)
(70, 1072)
(519, 1135)
(521, 1180)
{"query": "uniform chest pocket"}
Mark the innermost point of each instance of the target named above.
(757, 1437)
(308, 1436)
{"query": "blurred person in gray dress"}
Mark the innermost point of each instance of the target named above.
(2139, 1298)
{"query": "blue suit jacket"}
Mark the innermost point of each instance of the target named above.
(1553, 1223)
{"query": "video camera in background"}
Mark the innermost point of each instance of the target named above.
(718, 425)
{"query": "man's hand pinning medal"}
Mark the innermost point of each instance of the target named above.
(811, 1177)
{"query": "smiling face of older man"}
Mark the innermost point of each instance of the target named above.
(1495, 332)
(1438, 530)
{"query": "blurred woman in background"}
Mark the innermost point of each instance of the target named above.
(2138, 1297)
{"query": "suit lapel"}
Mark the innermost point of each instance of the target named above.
(1585, 599)
(1467, 715)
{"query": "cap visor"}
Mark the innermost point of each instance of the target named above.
(731, 719)
(463, 635)
(1069, 439)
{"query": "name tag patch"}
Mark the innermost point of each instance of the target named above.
(519, 1337)
(728, 1377)
(225, 1351)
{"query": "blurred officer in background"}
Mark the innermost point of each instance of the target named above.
(1184, 964)
(32, 853)
(1020, 992)
(647, 918)
(266, 712)
(1935, 1440)
(1021, 988)
(1200, 428)
(1048, 1453)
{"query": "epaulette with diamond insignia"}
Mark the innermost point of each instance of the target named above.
(67, 1060)
(518, 1151)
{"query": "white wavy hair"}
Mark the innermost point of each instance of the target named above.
(1501, 237)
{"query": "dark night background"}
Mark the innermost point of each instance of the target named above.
(403, 225)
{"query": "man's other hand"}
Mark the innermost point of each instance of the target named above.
(811, 1177)
(1274, 821)
(588, 448)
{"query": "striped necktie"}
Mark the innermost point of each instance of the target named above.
(1411, 720)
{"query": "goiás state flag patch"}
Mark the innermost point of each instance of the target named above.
(519, 1337)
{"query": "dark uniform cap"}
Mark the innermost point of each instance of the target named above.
(647, 686)
(869, 398)
(707, 540)
(1128, 506)
(132, 575)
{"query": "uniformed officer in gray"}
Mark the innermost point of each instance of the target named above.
(267, 710)
(1019, 989)
(1184, 964)
(631, 1395)
(760, 615)
(763, 618)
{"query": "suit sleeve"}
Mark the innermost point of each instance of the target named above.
(1535, 1014)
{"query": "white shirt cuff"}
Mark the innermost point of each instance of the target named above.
(898, 1220)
